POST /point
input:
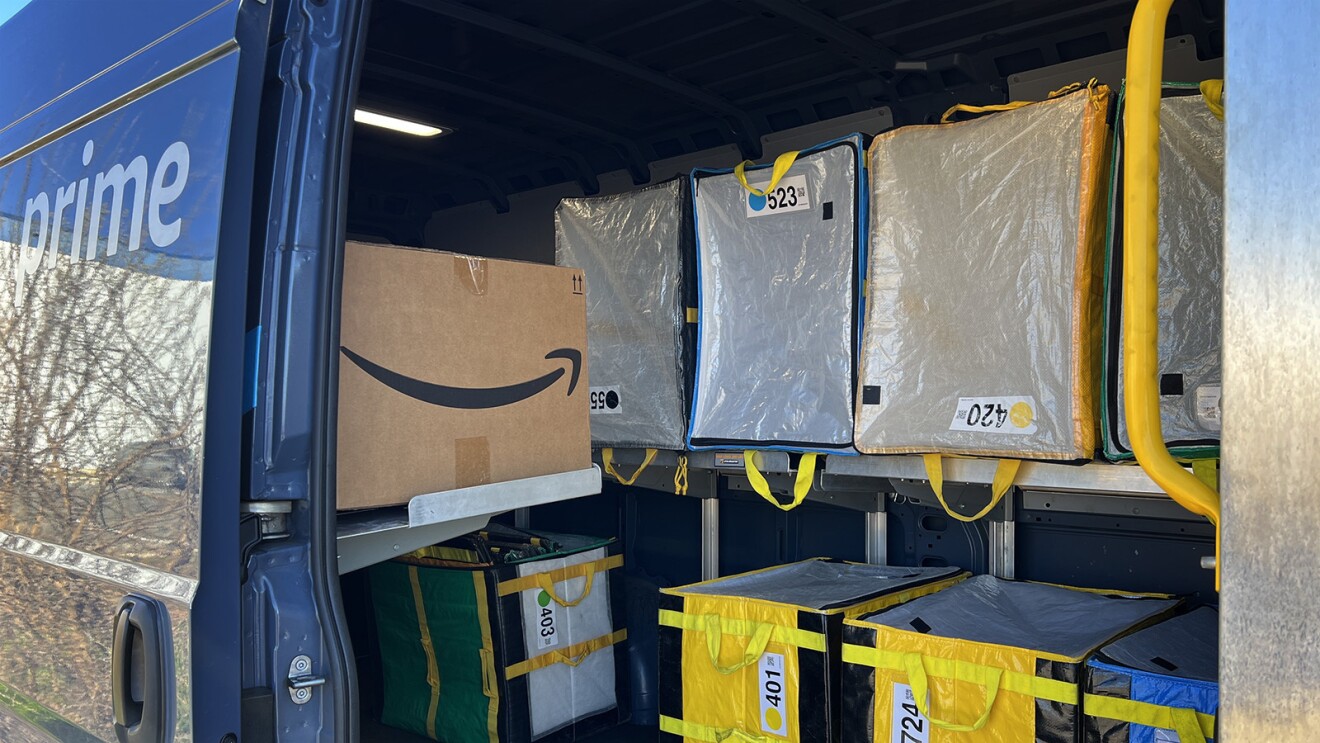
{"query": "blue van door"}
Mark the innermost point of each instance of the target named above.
(126, 158)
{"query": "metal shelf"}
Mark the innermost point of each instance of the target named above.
(372, 536)
(767, 461)
(1099, 478)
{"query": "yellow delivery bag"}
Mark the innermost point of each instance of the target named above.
(756, 656)
(986, 661)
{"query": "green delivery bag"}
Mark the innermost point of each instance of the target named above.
(503, 636)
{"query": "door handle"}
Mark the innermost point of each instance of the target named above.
(142, 672)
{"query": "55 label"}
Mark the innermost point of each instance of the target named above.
(605, 400)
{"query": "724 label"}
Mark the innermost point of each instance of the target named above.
(909, 725)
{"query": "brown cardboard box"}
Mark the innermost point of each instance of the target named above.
(457, 371)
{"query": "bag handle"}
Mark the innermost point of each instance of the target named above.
(1186, 725)
(755, 646)
(1012, 105)
(916, 672)
(573, 662)
(681, 476)
(547, 585)
(607, 458)
(1005, 473)
(780, 169)
(806, 472)
(739, 735)
(1213, 92)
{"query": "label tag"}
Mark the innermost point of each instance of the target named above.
(1166, 736)
(729, 460)
(790, 195)
(605, 400)
(909, 725)
(1015, 415)
(1208, 412)
(774, 703)
(546, 622)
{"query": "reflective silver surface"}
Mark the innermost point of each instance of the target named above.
(105, 316)
(1270, 619)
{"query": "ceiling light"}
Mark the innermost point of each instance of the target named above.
(371, 118)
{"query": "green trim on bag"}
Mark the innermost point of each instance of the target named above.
(1108, 445)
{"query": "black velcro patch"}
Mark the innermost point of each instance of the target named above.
(1171, 384)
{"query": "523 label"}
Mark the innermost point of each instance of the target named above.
(789, 195)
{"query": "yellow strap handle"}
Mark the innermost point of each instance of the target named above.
(782, 164)
(1186, 725)
(916, 672)
(1213, 92)
(573, 662)
(801, 486)
(1207, 471)
(968, 108)
(607, 458)
(547, 585)
(572, 655)
(707, 733)
(1005, 473)
(755, 646)
(737, 734)
(489, 683)
(681, 476)
(1141, 330)
(1190, 725)
(1012, 105)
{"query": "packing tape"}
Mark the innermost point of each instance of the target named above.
(471, 461)
(470, 273)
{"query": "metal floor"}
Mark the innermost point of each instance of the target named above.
(374, 732)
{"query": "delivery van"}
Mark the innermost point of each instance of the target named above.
(302, 299)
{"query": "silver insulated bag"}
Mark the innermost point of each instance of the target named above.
(779, 252)
(1191, 238)
(635, 251)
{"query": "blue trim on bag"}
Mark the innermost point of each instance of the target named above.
(856, 139)
(1143, 682)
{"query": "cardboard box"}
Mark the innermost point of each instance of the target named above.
(457, 371)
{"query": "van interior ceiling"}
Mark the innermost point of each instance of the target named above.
(538, 101)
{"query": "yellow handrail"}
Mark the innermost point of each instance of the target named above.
(1141, 154)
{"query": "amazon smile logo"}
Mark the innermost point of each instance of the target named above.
(471, 398)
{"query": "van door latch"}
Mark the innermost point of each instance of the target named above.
(301, 680)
